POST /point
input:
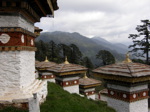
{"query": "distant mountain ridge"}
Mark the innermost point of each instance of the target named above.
(120, 48)
(89, 47)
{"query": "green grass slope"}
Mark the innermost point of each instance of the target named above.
(59, 100)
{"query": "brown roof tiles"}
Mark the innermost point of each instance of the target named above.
(125, 69)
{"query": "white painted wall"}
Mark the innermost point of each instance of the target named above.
(139, 106)
(42, 92)
(91, 97)
(51, 80)
(34, 105)
(17, 70)
(87, 90)
(102, 97)
(72, 89)
(121, 106)
(16, 21)
(27, 67)
(128, 89)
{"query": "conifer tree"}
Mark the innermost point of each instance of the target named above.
(106, 57)
(141, 40)
(75, 54)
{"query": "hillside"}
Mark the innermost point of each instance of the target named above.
(87, 46)
(120, 48)
(59, 100)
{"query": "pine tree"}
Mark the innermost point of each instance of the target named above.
(75, 54)
(106, 57)
(141, 40)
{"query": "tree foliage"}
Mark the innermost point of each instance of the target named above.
(141, 46)
(57, 52)
(106, 57)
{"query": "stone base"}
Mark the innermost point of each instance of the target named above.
(91, 97)
(28, 98)
(122, 106)
(72, 89)
(51, 80)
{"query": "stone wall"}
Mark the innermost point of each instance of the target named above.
(122, 106)
(72, 89)
(16, 70)
(16, 21)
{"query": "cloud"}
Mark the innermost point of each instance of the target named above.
(109, 19)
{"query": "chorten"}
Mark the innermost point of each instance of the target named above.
(67, 75)
(127, 85)
(17, 52)
(42, 70)
(87, 86)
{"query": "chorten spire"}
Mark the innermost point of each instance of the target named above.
(85, 76)
(127, 60)
(46, 60)
(66, 60)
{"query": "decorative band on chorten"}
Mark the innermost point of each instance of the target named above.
(128, 96)
(17, 48)
(16, 29)
(88, 93)
(67, 83)
(16, 39)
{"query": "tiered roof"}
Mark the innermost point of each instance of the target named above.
(44, 65)
(125, 71)
(86, 82)
(35, 8)
(67, 68)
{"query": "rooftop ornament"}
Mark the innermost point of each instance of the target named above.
(46, 60)
(127, 60)
(85, 76)
(66, 60)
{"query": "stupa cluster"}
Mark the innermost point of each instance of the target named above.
(127, 82)
(67, 75)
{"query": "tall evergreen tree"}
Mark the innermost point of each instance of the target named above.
(141, 40)
(75, 54)
(40, 54)
(106, 57)
(53, 52)
(64, 51)
(87, 63)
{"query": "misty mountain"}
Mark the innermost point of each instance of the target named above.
(118, 47)
(89, 47)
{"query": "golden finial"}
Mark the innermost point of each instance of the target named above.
(46, 60)
(85, 76)
(66, 60)
(127, 60)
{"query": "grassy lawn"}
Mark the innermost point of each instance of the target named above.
(59, 100)
(12, 109)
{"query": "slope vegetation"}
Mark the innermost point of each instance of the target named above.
(87, 46)
(59, 100)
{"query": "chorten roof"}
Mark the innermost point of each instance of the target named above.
(86, 82)
(124, 70)
(67, 68)
(44, 65)
(34, 8)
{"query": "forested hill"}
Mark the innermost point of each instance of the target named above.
(88, 47)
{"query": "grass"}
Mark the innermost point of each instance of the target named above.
(59, 100)
(12, 109)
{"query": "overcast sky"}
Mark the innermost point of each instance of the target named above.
(112, 20)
